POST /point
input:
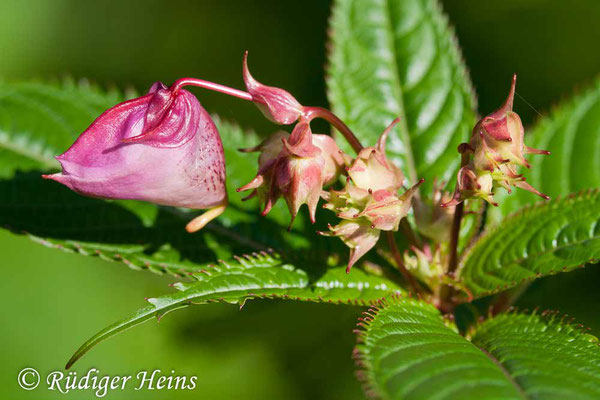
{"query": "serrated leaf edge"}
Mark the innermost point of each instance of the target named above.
(581, 195)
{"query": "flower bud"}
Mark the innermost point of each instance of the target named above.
(358, 235)
(277, 104)
(497, 148)
(162, 147)
(382, 208)
(472, 184)
(428, 267)
(295, 167)
(372, 170)
(369, 202)
(379, 211)
(498, 137)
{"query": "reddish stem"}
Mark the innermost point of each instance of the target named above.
(453, 258)
(463, 149)
(210, 86)
(311, 113)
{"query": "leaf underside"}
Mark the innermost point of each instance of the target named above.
(547, 238)
(260, 275)
(398, 58)
(408, 351)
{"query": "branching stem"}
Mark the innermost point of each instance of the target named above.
(445, 301)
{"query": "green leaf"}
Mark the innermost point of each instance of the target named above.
(408, 351)
(40, 120)
(393, 58)
(547, 238)
(547, 358)
(572, 134)
(261, 275)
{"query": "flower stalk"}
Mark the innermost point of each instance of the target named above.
(311, 113)
(456, 222)
(180, 83)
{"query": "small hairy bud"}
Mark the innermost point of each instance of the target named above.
(162, 147)
(295, 167)
(277, 104)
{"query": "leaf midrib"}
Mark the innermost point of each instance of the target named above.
(404, 133)
(506, 373)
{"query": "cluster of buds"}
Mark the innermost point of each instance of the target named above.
(495, 150)
(369, 203)
(427, 265)
(300, 165)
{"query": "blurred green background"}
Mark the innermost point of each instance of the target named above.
(276, 350)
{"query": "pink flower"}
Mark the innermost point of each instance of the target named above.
(162, 147)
